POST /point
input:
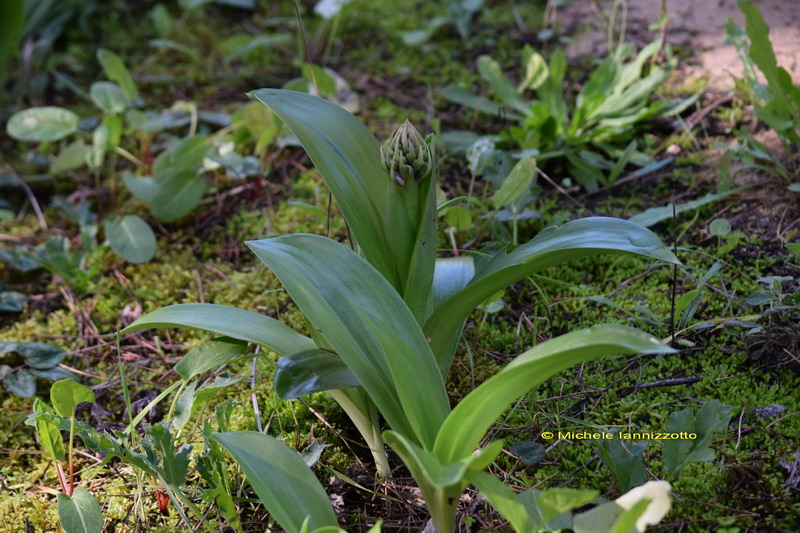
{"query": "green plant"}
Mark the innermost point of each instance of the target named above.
(774, 330)
(624, 459)
(281, 478)
(158, 455)
(459, 15)
(393, 223)
(592, 135)
(386, 320)
(38, 360)
(78, 510)
(11, 301)
(176, 184)
(74, 265)
(712, 416)
(778, 102)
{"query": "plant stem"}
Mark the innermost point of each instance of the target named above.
(71, 470)
(367, 424)
(442, 507)
(62, 478)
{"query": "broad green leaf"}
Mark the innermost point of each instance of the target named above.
(761, 51)
(502, 498)
(458, 217)
(347, 156)
(145, 188)
(187, 154)
(474, 415)
(42, 124)
(114, 125)
(132, 239)
(554, 245)
(228, 321)
(53, 374)
(20, 383)
(12, 301)
(584, 172)
(65, 395)
(654, 215)
(364, 319)
(311, 371)
(80, 513)
(719, 227)
(490, 70)
(48, 432)
(529, 452)
(623, 459)
(168, 44)
(516, 183)
(713, 416)
(208, 356)
(179, 192)
(284, 484)
(116, 71)
(450, 276)
(324, 82)
(108, 97)
(37, 355)
(71, 157)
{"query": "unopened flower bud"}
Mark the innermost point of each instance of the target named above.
(405, 155)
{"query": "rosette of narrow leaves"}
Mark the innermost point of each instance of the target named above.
(398, 244)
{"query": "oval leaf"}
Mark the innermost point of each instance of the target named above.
(178, 194)
(42, 124)
(209, 356)
(21, 384)
(132, 239)
(108, 97)
(66, 394)
(79, 513)
(48, 432)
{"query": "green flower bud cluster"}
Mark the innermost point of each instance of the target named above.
(405, 155)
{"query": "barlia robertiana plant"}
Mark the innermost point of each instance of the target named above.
(385, 318)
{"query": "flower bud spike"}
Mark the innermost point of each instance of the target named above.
(406, 156)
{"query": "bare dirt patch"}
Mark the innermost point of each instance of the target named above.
(697, 24)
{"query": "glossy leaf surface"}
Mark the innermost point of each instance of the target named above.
(229, 321)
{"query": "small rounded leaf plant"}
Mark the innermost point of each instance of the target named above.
(385, 319)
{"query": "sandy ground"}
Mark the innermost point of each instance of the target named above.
(698, 24)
